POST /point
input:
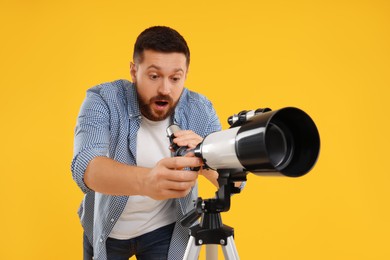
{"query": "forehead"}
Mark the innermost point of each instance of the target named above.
(164, 61)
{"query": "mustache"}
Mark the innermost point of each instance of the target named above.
(165, 98)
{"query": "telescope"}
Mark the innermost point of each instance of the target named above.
(283, 142)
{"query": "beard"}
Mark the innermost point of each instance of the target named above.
(157, 108)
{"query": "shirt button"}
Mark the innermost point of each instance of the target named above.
(101, 240)
(112, 220)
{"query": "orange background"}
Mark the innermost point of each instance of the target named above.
(329, 58)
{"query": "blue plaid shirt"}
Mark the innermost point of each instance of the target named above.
(107, 125)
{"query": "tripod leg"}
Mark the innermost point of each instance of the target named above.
(230, 250)
(212, 252)
(192, 250)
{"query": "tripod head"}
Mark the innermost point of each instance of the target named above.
(220, 203)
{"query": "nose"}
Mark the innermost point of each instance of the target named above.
(165, 87)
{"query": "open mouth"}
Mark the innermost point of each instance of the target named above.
(161, 104)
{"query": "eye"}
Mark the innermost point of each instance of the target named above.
(153, 76)
(175, 79)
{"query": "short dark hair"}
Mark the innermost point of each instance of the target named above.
(160, 39)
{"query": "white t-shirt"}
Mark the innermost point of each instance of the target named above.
(143, 214)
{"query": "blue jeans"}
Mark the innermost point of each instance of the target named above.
(151, 246)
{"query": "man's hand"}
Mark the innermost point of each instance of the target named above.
(187, 138)
(191, 140)
(167, 179)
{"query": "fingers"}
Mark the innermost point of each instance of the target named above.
(166, 180)
(170, 194)
(187, 138)
(190, 154)
(181, 162)
(177, 179)
(180, 186)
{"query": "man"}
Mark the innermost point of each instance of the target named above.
(135, 192)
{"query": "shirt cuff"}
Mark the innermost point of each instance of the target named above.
(79, 165)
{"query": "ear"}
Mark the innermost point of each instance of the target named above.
(187, 73)
(133, 72)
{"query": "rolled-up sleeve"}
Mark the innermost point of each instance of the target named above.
(92, 135)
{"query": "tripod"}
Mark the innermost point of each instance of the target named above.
(211, 230)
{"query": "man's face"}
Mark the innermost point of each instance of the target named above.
(159, 80)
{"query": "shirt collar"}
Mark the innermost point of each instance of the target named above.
(132, 99)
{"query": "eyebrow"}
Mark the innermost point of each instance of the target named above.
(159, 68)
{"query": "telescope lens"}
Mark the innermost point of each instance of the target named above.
(284, 142)
(279, 145)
